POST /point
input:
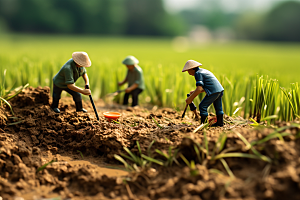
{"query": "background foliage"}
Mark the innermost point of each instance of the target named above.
(143, 17)
(251, 73)
(148, 17)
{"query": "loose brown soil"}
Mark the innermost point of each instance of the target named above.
(83, 147)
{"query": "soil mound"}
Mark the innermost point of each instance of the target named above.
(33, 142)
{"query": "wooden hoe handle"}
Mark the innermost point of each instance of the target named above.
(184, 111)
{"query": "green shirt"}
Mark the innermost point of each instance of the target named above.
(136, 76)
(68, 74)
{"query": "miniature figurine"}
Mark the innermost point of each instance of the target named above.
(208, 83)
(67, 76)
(193, 108)
(135, 80)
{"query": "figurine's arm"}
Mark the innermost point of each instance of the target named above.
(85, 78)
(129, 89)
(122, 82)
(77, 89)
(190, 99)
(191, 92)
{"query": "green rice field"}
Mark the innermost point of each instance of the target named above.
(260, 78)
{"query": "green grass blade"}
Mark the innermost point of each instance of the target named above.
(44, 166)
(249, 146)
(119, 158)
(206, 144)
(149, 148)
(139, 148)
(271, 136)
(161, 153)
(17, 92)
(3, 84)
(197, 153)
(6, 102)
(80, 153)
(216, 171)
(134, 157)
(129, 158)
(185, 160)
(227, 168)
(152, 160)
(202, 126)
(270, 117)
(235, 155)
(157, 123)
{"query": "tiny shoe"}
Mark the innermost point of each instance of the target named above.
(216, 125)
(81, 110)
(56, 110)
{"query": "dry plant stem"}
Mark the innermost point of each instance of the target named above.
(129, 192)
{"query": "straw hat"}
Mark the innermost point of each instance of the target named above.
(81, 58)
(190, 64)
(130, 60)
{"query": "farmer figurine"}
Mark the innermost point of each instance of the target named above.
(67, 76)
(208, 83)
(135, 80)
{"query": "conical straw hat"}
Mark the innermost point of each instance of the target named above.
(81, 58)
(130, 60)
(190, 64)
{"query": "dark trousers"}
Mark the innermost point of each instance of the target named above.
(57, 92)
(216, 99)
(135, 97)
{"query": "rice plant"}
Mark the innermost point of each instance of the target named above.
(140, 162)
(278, 133)
(7, 94)
(204, 155)
(169, 155)
(250, 95)
(144, 161)
(291, 102)
(264, 98)
(191, 165)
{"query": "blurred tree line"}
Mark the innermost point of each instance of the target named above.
(146, 17)
(281, 23)
(119, 17)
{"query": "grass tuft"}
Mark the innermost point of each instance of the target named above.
(80, 153)
(45, 165)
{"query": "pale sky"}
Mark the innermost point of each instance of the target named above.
(229, 5)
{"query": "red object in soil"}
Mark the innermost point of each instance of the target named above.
(212, 120)
(112, 115)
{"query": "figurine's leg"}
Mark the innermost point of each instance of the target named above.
(206, 101)
(135, 96)
(126, 97)
(79, 106)
(219, 111)
(55, 98)
(77, 99)
(203, 118)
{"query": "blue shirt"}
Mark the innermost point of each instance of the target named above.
(208, 81)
